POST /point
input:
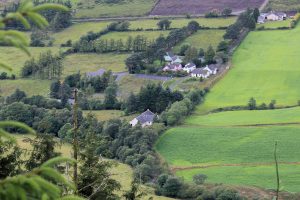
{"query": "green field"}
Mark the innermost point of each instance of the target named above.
(30, 86)
(266, 67)
(105, 115)
(16, 58)
(77, 30)
(283, 5)
(203, 39)
(179, 23)
(261, 176)
(92, 62)
(89, 9)
(275, 24)
(150, 35)
(247, 117)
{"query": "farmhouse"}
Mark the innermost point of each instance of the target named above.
(189, 67)
(271, 16)
(100, 72)
(200, 73)
(145, 119)
(213, 69)
(174, 67)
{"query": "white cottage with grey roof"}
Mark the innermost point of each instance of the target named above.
(145, 119)
(200, 73)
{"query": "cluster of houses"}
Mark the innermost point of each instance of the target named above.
(174, 64)
(274, 16)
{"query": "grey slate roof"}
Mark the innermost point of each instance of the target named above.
(213, 67)
(146, 116)
(173, 65)
(100, 72)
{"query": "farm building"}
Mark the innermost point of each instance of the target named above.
(213, 69)
(200, 73)
(271, 16)
(189, 67)
(174, 67)
(145, 119)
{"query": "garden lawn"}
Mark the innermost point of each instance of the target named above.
(266, 66)
(16, 58)
(188, 145)
(105, 115)
(179, 23)
(29, 86)
(203, 39)
(150, 35)
(246, 117)
(275, 24)
(89, 9)
(92, 62)
(77, 30)
(261, 176)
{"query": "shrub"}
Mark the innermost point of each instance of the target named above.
(199, 179)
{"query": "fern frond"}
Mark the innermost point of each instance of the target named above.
(5, 66)
(38, 19)
(4, 124)
(50, 6)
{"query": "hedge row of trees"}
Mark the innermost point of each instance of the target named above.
(137, 44)
(153, 97)
(47, 66)
(247, 20)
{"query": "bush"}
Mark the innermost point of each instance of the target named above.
(199, 179)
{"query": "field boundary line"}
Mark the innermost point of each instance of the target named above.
(183, 168)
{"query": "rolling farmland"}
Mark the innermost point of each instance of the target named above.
(194, 7)
(236, 147)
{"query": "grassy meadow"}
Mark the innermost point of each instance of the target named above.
(283, 5)
(266, 67)
(203, 39)
(77, 30)
(150, 35)
(92, 62)
(105, 115)
(275, 24)
(247, 117)
(88, 9)
(262, 176)
(16, 58)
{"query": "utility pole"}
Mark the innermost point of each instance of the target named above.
(75, 140)
(277, 172)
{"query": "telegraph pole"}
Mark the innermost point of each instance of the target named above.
(75, 139)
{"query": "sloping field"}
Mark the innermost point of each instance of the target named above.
(247, 117)
(203, 39)
(284, 5)
(179, 7)
(233, 155)
(150, 35)
(266, 66)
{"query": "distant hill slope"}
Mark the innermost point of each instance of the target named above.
(195, 7)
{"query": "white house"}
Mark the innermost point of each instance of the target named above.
(189, 67)
(145, 119)
(271, 16)
(200, 73)
(174, 67)
(213, 69)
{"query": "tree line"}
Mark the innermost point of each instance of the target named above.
(47, 66)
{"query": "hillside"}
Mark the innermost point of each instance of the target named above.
(236, 147)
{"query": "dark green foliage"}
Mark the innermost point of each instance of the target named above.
(226, 12)
(199, 179)
(17, 96)
(4, 76)
(54, 89)
(210, 55)
(252, 104)
(38, 38)
(43, 150)
(164, 24)
(233, 31)
(223, 46)
(193, 26)
(134, 63)
(119, 26)
(72, 80)
(111, 101)
(10, 161)
(42, 102)
(47, 66)
(256, 14)
(153, 97)
(94, 177)
(183, 49)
